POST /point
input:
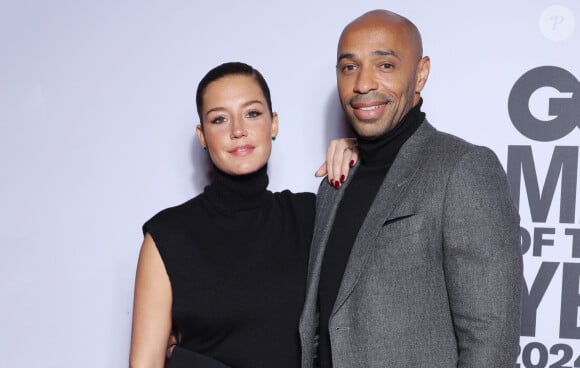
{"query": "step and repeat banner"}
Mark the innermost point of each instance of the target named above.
(543, 175)
(97, 120)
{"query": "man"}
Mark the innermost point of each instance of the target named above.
(415, 260)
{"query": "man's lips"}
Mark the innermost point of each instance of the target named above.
(242, 150)
(368, 111)
(366, 104)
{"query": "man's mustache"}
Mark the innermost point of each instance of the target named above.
(370, 97)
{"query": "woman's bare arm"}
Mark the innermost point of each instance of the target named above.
(151, 309)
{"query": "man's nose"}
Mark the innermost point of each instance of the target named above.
(365, 81)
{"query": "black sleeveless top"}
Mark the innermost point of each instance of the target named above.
(237, 258)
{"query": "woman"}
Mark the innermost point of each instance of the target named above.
(227, 269)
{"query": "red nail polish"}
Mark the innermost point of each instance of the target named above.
(351, 163)
(337, 184)
(331, 182)
(342, 178)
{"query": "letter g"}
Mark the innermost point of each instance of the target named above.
(566, 110)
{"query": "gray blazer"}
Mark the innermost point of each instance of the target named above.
(435, 274)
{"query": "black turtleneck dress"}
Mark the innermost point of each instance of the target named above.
(376, 158)
(237, 258)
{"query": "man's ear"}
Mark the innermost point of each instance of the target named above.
(422, 73)
(200, 135)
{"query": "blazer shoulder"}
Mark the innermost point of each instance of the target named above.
(450, 142)
(448, 148)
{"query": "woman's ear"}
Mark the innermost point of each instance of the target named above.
(200, 135)
(274, 124)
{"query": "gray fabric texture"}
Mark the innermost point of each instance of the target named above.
(434, 276)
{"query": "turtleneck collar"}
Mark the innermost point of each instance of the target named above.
(382, 150)
(232, 193)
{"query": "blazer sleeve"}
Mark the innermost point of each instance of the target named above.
(482, 261)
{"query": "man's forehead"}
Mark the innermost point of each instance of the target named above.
(370, 38)
(377, 53)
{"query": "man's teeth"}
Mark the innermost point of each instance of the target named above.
(367, 108)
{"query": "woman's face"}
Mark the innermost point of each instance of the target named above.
(237, 125)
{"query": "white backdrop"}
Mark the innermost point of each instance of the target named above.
(96, 135)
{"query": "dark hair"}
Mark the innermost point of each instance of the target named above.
(223, 70)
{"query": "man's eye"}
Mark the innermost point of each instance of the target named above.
(348, 68)
(253, 114)
(386, 66)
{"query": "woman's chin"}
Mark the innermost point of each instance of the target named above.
(245, 169)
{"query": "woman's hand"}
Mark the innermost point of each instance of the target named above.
(341, 156)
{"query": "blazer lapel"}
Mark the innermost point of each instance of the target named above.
(404, 169)
(328, 199)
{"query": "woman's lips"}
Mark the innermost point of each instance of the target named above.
(242, 150)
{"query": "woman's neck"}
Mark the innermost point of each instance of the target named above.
(238, 192)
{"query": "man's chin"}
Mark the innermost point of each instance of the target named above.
(368, 129)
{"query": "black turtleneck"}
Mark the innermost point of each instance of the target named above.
(376, 157)
(236, 256)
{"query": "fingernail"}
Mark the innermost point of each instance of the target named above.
(331, 182)
(337, 184)
(351, 163)
(342, 177)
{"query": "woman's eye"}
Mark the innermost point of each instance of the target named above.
(218, 120)
(254, 114)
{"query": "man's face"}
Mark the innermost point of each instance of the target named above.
(379, 69)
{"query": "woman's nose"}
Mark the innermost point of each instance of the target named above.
(238, 129)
